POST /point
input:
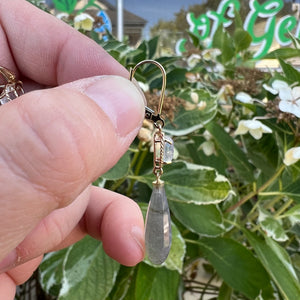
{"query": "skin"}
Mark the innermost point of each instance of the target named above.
(71, 126)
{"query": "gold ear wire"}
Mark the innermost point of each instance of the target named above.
(149, 113)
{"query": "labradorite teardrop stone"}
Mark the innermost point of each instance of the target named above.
(158, 233)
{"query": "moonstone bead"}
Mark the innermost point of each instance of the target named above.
(168, 149)
(158, 235)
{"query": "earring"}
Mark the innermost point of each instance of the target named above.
(158, 234)
(10, 87)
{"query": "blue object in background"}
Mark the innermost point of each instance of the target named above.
(106, 26)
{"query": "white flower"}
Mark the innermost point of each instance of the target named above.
(270, 89)
(289, 96)
(292, 156)
(210, 54)
(145, 135)
(208, 148)
(62, 16)
(207, 42)
(189, 106)
(244, 98)
(276, 87)
(218, 68)
(192, 77)
(290, 100)
(144, 86)
(224, 93)
(84, 21)
(194, 97)
(193, 60)
(279, 84)
(254, 127)
(195, 103)
(201, 105)
(247, 99)
(207, 135)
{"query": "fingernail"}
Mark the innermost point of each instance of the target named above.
(8, 261)
(138, 235)
(122, 102)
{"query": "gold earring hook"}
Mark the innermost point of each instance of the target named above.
(149, 113)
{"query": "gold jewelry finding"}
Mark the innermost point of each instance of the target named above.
(10, 87)
(158, 233)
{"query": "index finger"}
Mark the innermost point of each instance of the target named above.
(47, 50)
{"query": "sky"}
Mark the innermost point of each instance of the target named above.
(153, 10)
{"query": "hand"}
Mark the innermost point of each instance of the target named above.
(54, 142)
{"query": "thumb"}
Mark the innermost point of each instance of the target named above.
(55, 142)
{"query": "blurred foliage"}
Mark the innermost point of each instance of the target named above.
(233, 188)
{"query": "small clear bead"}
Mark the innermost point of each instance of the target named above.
(4, 100)
(168, 150)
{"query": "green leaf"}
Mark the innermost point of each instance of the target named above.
(296, 262)
(283, 53)
(154, 283)
(187, 121)
(165, 285)
(176, 256)
(51, 272)
(263, 153)
(112, 45)
(142, 55)
(293, 191)
(225, 292)
(272, 227)
(293, 214)
(195, 39)
(84, 271)
(290, 72)
(65, 5)
(232, 151)
(144, 281)
(115, 54)
(167, 60)
(196, 153)
(124, 279)
(242, 39)
(206, 220)
(175, 77)
(277, 263)
(236, 265)
(120, 170)
(130, 295)
(223, 41)
(192, 183)
(295, 40)
(237, 19)
(152, 47)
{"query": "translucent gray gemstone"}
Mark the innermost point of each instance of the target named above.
(158, 234)
(168, 150)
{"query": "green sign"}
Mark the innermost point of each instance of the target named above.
(205, 25)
